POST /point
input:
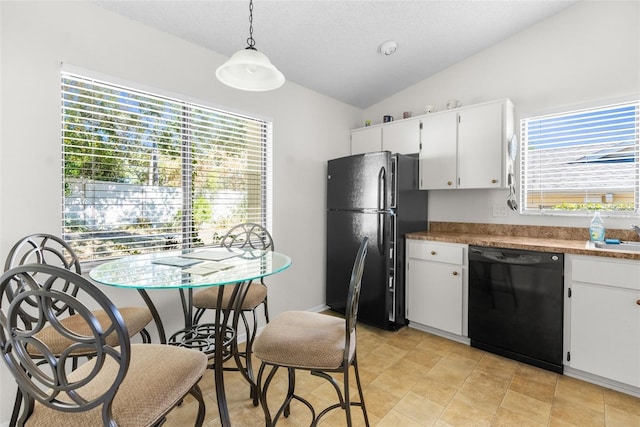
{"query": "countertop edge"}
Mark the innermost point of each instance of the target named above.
(577, 247)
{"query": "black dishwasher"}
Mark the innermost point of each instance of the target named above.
(516, 304)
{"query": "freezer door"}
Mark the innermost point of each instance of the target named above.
(358, 182)
(345, 229)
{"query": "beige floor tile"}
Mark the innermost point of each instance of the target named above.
(419, 409)
(379, 402)
(425, 359)
(574, 412)
(622, 401)
(531, 383)
(506, 418)
(440, 393)
(526, 406)
(459, 414)
(397, 383)
(397, 419)
(615, 417)
(498, 366)
(580, 392)
(446, 375)
(483, 391)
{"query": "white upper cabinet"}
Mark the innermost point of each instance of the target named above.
(402, 136)
(466, 147)
(482, 142)
(366, 140)
(438, 158)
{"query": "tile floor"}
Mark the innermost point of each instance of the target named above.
(412, 378)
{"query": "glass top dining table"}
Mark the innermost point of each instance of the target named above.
(187, 270)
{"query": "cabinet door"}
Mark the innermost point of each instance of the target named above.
(481, 146)
(401, 137)
(605, 332)
(438, 154)
(434, 295)
(366, 140)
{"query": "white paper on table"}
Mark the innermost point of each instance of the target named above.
(176, 261)
(211, 254)
(207, 268)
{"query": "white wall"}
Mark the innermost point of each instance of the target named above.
(586, 53)
(37, 36)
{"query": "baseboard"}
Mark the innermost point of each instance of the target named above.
(440, 333)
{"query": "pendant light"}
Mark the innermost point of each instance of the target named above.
(249, 69)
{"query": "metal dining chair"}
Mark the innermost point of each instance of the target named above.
(121, 384)
(251, 240)
(314, 342)
(42, 248)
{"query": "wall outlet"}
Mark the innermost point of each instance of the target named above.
(499, 209)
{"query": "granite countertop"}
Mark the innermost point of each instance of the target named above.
(568, 240)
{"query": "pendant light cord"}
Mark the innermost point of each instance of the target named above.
(250, 41)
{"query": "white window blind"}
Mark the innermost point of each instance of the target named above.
(581, 161)
(144, 173)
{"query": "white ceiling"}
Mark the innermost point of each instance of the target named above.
(331, 46)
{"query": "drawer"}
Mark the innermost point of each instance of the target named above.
(438, 252)
(620, 273)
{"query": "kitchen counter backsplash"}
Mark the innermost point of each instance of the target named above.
(528, 237)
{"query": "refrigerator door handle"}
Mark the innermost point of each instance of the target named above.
(382, 189)
(382, 208)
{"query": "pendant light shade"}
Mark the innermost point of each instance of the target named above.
(249, 69)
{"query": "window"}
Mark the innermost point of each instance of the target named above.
(581, 161)
(143, 172)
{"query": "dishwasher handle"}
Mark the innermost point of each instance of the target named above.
(513, 256)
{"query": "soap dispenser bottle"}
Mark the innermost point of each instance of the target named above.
(596, 229)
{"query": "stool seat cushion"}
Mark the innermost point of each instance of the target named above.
(208, 297)
(136, 318)
(301, 339)
(159, 376)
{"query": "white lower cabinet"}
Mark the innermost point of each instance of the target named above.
(603, 298)
(436, 284)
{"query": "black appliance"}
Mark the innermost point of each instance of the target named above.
(516, 304)
(374, 195)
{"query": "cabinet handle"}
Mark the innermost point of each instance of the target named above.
(493, 181)
(433, 252)
(638, 302)
(449, 183)
(455, 273)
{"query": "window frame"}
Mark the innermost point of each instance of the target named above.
(524, 168)
(264, 164)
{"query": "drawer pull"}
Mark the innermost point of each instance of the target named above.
(638, 302)
(433, 252)
(493, 181)
(455, 273)
(449, 183)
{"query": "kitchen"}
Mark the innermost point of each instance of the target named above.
(542, 68)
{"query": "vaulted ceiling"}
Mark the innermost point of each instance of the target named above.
(332, 46)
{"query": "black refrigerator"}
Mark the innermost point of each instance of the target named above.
(375, 195)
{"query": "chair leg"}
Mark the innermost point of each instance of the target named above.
(16, 409)
(262, 391)
(361, 394)
(197, 393)
(347, 400)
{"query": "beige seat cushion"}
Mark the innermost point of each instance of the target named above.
(301, 339)
(208, 297)
(158, 378)
(136, 318)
